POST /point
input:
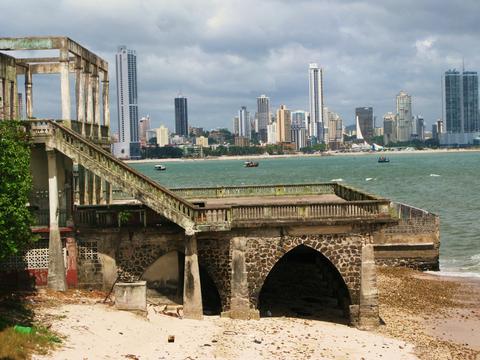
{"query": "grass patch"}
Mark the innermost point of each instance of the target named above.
(14, 345)
(16, 310)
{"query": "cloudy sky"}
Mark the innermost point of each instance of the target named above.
(222, 54)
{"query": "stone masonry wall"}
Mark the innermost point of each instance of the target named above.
(214, 256)
(343, 251)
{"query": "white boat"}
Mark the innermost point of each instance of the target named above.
(160, 167)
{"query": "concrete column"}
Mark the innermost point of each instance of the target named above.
(368, 310)
(88, 101)
(96, 102)
(65, 84)
(101, 192)
(87, 180)
(239, 301)
(80, 93)
(28, 93)
(56, 268)
(192, 292)
(98, 189)
(108, 193)
(106, 100)
(76, 183)
(92, 185)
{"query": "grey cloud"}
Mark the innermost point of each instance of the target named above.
(222, 54)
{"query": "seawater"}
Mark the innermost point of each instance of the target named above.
(447, 184)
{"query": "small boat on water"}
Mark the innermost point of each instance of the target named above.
(251, 164)
(383, 159)
(160, 167)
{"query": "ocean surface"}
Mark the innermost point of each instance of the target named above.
(447, 184)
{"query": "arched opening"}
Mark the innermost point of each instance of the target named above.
(304, 283)
(212, 305)
(165, 283)
(165, 279)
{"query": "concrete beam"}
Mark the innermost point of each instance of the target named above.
(52, 42)
(47, 68)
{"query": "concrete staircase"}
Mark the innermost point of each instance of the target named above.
(105, 165)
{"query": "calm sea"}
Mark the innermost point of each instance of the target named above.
(445, 184)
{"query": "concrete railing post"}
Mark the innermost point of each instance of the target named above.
(56, 268)
(192, 292)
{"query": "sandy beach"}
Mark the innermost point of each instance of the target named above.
(426, 317)
(328, 153)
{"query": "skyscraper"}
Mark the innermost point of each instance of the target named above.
(244, 123)
(263, 116)
(284, 125)
(404, 116)
(236, 126)
(298, 118)
(335, 130)
(389, 128)
(364, 121)
(316, 123)
(461, 101)
(181, 116)
(143, 126)
(127, 104)
(419, 125)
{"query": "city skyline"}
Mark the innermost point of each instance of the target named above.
(221, 63)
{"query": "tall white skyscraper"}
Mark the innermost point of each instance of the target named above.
(244, 122)
(316, 124)
(127, 105)
(404, 116)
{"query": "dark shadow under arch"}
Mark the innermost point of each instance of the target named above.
(165, 283)
(304, 283)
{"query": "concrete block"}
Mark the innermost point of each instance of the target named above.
(131, 296)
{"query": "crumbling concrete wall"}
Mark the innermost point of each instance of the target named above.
(414, 242)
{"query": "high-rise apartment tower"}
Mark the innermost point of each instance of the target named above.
(181, 116)
(316, 124)
(127, 104)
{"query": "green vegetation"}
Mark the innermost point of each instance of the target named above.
(163, 152)
(13, 343)
(15, 186)
(314, 148)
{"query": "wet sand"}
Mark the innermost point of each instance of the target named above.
(440, 315)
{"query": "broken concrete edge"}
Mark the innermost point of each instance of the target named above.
(131, 296)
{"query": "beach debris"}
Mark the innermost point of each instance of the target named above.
(229, 332)
(22, 329)
(131, 356)
(434, 175)
(171, 338)
(257, 341)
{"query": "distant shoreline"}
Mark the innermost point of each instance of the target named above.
(328, 153)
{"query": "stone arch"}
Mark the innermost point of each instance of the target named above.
(303, 282)
(135, 254)
(342, 251)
